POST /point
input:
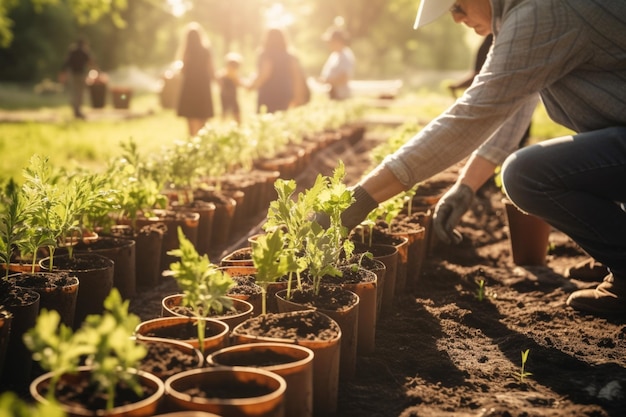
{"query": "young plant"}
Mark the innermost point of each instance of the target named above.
(58, 204)
(13, 231)
(522, 373)
(103, 342)
(271, 260)
(13, 406)
(325, 247)
(480, 291)
(139, 187)
(204, 285)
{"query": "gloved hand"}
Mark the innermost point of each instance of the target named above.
(449, 211)
(355, 213)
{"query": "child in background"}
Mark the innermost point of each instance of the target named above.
(229, 82)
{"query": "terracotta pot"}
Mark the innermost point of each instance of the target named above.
(122, 253)
(57, 291)
(308, 328)
(5, 330)
(238, 257)
(23, 304)
(187, 221)
(529, 236)
(223, 217)
(388, 255)
(415, 242)
(95, 276)
(294, 363)
(188, 414)
(228, 391)
(346, 315)
(366, 290)
(206, 211)
(149, 245)
(143, 407)
(167, 357)
(246, 288)
(184, 329)
(243, 310)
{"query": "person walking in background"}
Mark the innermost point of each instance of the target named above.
(229, 82)
(195, 100)
(338, 69)
(74, 71)
(571, 54)
(275, 79)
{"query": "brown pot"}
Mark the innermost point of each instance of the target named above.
(167, 357)
(206, 211)
(171, 306)
(143, 407)
(223, 218)
(57, 291)
(294, 363)
(122, 253)
(415, 242)
(238, 257)
(228, 391)
(184, 329)
(308, 328)
(345, 314)
(23, 304)
(388, 255)
(529, 236)
(187, 221)
(149, 246)
(95, 276)
(5, 330)
(246, 288)
(366, 290)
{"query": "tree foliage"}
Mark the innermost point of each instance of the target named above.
(35, 34)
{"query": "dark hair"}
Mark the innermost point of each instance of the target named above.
(275, 41)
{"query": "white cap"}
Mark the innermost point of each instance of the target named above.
(430, 10)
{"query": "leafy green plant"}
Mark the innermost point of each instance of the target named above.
(13, 231)
(13, 406)
(272, 261)
(204, 285)
(59, 203)
(522, 373)
(325, 247)
(103, 342)
(138, 183)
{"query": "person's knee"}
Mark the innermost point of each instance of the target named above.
(517, 177)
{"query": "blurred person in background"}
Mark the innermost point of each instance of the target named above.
(195, 100)
(338, 69)
(77, 63)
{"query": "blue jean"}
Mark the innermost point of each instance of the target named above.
(575, 183)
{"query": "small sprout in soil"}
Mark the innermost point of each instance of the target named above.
(480, 291)
(523, 374)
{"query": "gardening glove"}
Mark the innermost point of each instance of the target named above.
(355, 213)
(449, 210)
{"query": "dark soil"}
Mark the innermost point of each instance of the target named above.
(442, 352)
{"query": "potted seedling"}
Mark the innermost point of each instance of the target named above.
(97, 363)
(204, 289)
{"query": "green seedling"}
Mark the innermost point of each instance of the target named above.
(480, 291)
(523, 374)
(204, 285)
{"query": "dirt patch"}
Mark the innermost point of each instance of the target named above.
(442, 352)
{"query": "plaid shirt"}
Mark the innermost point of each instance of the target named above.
(572, 53)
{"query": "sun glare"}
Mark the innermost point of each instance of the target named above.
(178, 7)
(277, 16)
